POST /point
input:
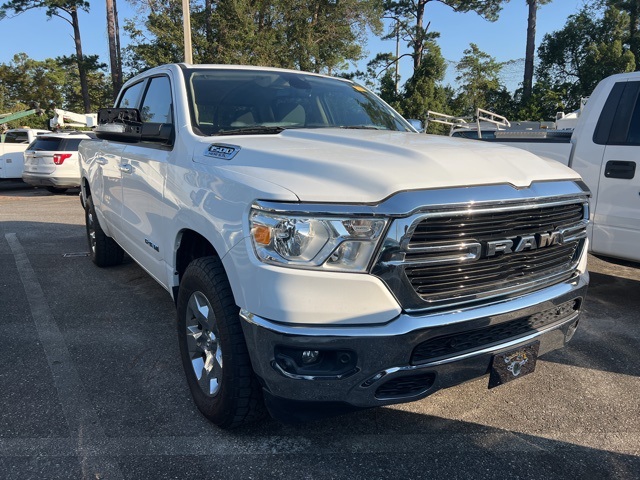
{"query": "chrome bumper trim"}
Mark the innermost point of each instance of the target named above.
(384, 351)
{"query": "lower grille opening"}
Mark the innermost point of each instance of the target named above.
(450, 345)
(407, 386)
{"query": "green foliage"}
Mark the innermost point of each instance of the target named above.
(632, 34)
(423, 92)
(478, 74)
(100, 89)
(409, 20)
(67, 10)
(51, 83)
(52, 7)
(313, 35)
(589, 48)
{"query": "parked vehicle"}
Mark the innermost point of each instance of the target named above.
(322, 254)
(14, 143)
(51, 161)
(604, 149)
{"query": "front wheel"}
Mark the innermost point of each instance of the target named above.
(103, 249)
(213, 349)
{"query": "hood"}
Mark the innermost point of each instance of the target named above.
(367, 166)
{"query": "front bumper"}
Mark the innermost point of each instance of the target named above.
(385, 371)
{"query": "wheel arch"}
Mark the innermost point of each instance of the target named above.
(85, 191)
(191, 245)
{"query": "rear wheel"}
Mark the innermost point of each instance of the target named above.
(213, 349)
(104, 250)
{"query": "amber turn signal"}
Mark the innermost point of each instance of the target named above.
(261, 234)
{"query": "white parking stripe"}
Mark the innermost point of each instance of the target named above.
(80, 415)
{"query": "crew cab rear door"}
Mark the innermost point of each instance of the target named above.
(145, 214)
(616, 229)
(103, 162)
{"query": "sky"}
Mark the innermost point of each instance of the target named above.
(39, 38)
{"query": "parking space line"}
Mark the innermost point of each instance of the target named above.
(623, 443)
(81, 417)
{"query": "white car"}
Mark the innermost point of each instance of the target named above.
(51, 161)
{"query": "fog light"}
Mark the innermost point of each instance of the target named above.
(310, 356)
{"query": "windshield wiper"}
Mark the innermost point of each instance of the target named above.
(254, 130)
(363, 127)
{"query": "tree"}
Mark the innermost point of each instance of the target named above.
(409, 16)
(478, 74)
(156, 35)
(422, 92)
(631, 8)
(527, 84)
(589, 48)
(315, 35)
(51, 83)
(100, 88)
(113, 35)
(67, 10)
(26, 81)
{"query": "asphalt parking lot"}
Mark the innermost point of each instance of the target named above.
(91, 385)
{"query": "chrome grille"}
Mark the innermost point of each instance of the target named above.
(490, 224)
(440, 282)
(449, 258)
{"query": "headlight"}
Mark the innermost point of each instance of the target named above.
(328, 243)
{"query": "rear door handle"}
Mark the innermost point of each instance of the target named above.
(620, 169)
(126, 168)
(101, 160)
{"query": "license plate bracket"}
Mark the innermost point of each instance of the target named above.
(513, 364)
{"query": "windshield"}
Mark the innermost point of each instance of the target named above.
(249, 101)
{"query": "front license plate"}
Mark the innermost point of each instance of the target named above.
(513, 364)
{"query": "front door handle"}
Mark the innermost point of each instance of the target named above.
(620, 169)
(126, 168)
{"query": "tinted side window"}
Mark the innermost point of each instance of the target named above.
(608, 114)
(622, 120)
(633, 136)
(16, 137)
(71, 145)
(131, 96)
(156, 107)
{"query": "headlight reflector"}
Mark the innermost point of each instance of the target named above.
(330, 243)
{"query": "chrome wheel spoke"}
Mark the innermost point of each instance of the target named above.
(203, 344)
(92, 231)
(194, 335)
(219, 358)
(200, 309)
(198, 367)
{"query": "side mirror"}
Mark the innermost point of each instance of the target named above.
(119, 124)
(417, 124)
(125, 125)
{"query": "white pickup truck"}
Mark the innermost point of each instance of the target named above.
(12, 149)
(604, 148)
(322, 255)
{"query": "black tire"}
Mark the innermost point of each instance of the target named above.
(104, 250)
(57, 189)
(210, 336)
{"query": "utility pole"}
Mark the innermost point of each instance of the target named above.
(186, 20)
